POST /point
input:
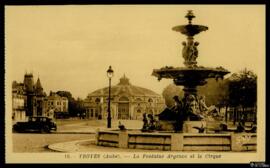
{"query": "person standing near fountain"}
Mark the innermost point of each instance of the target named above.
(149, 123)
(145, 123)
(178, 109)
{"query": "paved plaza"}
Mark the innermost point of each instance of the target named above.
(91, 126)
(72, 135)
(69, 131)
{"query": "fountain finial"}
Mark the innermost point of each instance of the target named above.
(190, 16)
(190, 29)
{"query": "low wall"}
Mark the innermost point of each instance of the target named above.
(207, 142)
(178, 141)
(149, 141)
(107, 138)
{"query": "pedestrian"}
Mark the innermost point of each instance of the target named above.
(178, 109)
(145, 123)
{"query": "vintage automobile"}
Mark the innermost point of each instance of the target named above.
(36, 124)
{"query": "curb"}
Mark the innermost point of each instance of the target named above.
(73, 132)
(71, 146)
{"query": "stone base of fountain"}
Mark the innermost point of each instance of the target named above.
(192, 126)
(188, 126)
(135, 139)
(167, 125)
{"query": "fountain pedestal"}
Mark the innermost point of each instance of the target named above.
(167, 125)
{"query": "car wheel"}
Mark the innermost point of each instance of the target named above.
(14, 130)
(46, 129)
(43, 130)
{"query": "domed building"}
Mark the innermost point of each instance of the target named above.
(127, 102)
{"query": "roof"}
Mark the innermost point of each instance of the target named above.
(39, 89)
(126, 88)
(38, 84)
(56, 96)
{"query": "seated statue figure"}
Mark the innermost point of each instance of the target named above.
(202, 105)
(192, 108)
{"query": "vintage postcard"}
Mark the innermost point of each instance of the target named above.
(135, 84)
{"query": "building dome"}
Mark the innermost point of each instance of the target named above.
(127, 101)
(124, 87)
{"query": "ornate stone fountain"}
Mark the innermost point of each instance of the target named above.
(191, 75)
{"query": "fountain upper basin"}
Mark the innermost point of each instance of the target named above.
(190, 29)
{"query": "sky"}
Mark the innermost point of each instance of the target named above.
(70, 47)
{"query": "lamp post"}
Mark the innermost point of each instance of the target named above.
(109, 118)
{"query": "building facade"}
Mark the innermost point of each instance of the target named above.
(55, 104)
(127, 102)
(18, 102)
(29, 99)
(34, 96)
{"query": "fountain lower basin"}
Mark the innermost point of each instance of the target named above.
(170, 141)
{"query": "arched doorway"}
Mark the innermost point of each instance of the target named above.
(123, 108)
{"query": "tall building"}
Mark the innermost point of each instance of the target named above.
(29, 93)
(18, 102)
(40, 95)
(127, 102)
(27, 98)
(34, 96)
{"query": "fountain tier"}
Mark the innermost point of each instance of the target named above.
(190, 77)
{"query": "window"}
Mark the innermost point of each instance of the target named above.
(123, 111)
(97, 100)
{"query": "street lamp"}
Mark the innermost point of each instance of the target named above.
(109, 118)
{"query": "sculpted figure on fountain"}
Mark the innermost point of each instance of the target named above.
(190, 52)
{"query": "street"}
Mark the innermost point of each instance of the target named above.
(34, 142)
(67, 130)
